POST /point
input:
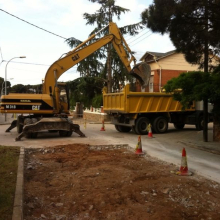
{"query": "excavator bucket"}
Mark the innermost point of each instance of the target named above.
(142, 72)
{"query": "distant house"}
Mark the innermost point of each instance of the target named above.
(164, 66)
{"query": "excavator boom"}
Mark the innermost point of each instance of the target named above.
(140, 71)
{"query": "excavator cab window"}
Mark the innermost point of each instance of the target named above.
(64, 95)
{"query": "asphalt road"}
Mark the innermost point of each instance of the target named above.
(203, 157)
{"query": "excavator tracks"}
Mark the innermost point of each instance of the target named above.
(31, 127)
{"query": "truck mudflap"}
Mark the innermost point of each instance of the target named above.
(63, 125)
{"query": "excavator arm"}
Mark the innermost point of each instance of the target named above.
(140, 71)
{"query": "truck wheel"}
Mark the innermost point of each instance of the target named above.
(19, 125)
(199, 124)
(160, 124)
(125, 128)
(122, 128)
(179, 126)
(141, 125)
(117, 127)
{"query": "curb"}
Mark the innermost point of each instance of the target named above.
(18, 201)
(200, 147)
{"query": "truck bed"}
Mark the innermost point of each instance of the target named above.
(140, 102)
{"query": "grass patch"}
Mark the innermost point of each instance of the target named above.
(8, 175)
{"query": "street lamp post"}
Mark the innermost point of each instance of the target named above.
(6, 71)
(6, 76)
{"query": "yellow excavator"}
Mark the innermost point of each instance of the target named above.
(50, 110)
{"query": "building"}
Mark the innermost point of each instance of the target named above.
(165, 66)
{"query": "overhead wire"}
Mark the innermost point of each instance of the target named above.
(37, 64)
(135, 36)
(139, 37)
(142, 39)
(32, 24)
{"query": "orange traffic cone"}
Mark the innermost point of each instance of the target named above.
(150, 135)
(139, 147)
(103, 126)
(184, 168)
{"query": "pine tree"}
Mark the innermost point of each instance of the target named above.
(112, 65)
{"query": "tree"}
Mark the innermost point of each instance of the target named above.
(94, 65)
(197, 86)
(193, 27)
(18, 88)
(190, 24)
(1, 84)
(86, 90)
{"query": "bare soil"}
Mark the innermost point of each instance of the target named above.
(83, 182)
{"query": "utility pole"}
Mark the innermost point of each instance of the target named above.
(206, 69)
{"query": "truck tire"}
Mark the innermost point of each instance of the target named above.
(133, 129)
(125, 128)
(199, 124)
(160, 124)
(117, 128)
(19, 125)
(141, 125)
(179, 126)
(121, 128)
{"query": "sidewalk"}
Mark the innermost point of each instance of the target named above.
(198, 143)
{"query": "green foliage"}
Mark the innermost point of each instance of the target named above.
(18, 88)
(95, 64)
(1, 83)
(191, 24)
(84, 89)
(97, 101)
(196, 86)
(2, 86)
(8, 173)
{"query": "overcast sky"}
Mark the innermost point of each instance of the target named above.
(64, 18)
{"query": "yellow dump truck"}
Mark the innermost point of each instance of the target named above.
(135, 110)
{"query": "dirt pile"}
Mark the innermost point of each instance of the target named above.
(82, 182)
